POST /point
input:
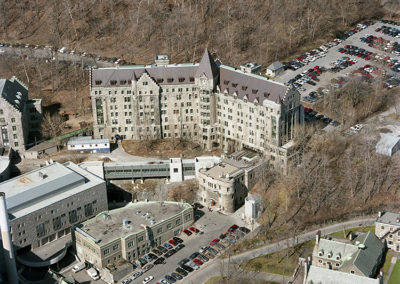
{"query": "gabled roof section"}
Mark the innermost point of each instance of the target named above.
(207, 66)
(275, 66)
(14, 92)
(252, 85)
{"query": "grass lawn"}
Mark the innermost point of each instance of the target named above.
(283, 262)
(395, 277)
(213, 279)
(356, 229)
(386, 265)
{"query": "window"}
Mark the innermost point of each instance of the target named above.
(159, 230)
(106, 251)
(178, 221)
(187, 217)
(115, 247)
(145, 83)
(13, 120)
(14, 128)
(352, 271)
(16, 144)
(140, 239)
(169, 226)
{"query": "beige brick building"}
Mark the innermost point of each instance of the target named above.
(216, 106)
(20, 117)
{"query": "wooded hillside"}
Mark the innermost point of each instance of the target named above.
(236, 31)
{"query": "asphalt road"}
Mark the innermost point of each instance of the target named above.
(229, 266)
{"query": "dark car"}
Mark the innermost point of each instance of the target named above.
(183, 261)
(170, 252)
(160, 260)
(157, 252)
(162, 249)
(179, 247)
(170, 278)
(244, 230)
(176, 276)
(181, 271)
(178, 240)
(194, 255)
(187, 268)
(152, 256)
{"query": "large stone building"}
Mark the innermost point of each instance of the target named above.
(44, 204)
(387, 226)
(214, 105)
(123, 235)
(225, 185)
(20, 117)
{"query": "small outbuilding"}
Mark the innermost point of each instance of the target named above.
(88, 144)
(388, 144)
(41, 150)
(274, 69)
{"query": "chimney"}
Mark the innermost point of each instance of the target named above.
(8, 250)
(380, 214)
(351, 236)
(317, 237)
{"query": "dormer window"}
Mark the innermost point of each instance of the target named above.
(338, 256)
(191, 79)
(234, 85)
(98, 82)
(145, 83)
(266, 95)
(113, 82)
(181, 79)
(122, 82)
(254, 91)
(321, 253)
(160, 80)
(244, 88)
(226, 82)
(330, 255)
(170, 80)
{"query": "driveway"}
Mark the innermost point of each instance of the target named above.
(229, 266)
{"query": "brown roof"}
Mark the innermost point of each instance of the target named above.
(254, 86)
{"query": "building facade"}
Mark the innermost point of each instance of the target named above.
(20, 117)
(387, 226)
(126, 234)
(45, 203)
(215, 106)
(87, 144)
(225, 185)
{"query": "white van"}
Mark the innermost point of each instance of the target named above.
(78, 267)
(93, 273)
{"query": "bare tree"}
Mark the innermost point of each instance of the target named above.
(52, 125)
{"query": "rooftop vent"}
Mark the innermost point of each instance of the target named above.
(106, 217)
(227, 176)
(42, 175)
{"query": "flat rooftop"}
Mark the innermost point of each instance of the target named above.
(223, 171)
(108, 226)
(44, 186)
(323, 275)
(389, 218)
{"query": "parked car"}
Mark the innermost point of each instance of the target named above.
(162, 249)
(136, 275)
(178, 240)
(172, 242)
(170, 278)
(198, 261)
(157, 252)
(176, 276)
(160, 260)
(179, 247)
(78, 267)
(167, 246)
(194, 230)
(93, 273)
(147, 268)
(181, 271)
(194, 255)
(187, 268)
(187, 232)
(244, 230)
(147, 279)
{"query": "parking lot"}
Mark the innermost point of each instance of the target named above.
(210, 224)
(332, 55)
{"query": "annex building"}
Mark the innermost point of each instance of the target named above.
(44, 204)
(387, 226)
(213, 105)
(20, 117)
(126, 234)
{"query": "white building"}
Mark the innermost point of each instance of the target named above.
(87, 144)
(275, 69)
(253, 206)
(388, 144)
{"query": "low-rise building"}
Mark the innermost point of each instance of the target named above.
(251, 67)
(87, 144)
(274, 69)
(44, 204)
(20, 117)
(125, 234)
(253, 206)
(319, 275)
(360, 256)
(387, 226)
(226, 184)
(41, 150)
(388, 144)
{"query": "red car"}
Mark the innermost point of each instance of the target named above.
(194, 230)
(197, 261)
(172, 242)
(216, 240)
(233, 228)
(212, 244)
(187, 232)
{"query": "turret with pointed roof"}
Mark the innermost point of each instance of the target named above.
(207, 66)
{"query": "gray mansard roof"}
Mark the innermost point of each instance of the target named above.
(14, 92)
(275, 66)
(230, 79)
